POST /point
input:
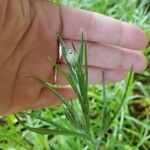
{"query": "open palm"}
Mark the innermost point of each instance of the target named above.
(28, 37)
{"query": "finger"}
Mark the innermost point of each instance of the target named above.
(112, 57)
(47, 98)
(95, 75)
(100, 28)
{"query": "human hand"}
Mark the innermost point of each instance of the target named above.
(28, 37)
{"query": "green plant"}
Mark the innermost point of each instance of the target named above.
(129, 131)
(78, 120)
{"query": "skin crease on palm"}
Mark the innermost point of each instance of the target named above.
(27, 38)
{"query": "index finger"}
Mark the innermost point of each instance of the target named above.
(100, 28)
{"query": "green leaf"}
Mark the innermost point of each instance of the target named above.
(60, 97)
(81, 49)
(86, 64)
(146, 126)
(105, 112)
(45, 131)
(56, 132)
(75, 121)
(74, 48)
(123, 98)
(52, 123)
(68, 78)
(70, 111)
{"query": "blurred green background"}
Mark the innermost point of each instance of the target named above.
(131, 130)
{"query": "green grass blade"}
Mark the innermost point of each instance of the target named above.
(123, 98)
(81, 81)
(75, 121)
(132, 119)
(69, 109)
(105, 107)
(45, 131)
(73, 46)
(106, 120)
(51, 88)
(68, 78)
(55, 132)
(82, 75)
(86, 65)
(81, 49)
(86, 84)
(52, 123)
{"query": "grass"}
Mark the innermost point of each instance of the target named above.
(130, 130)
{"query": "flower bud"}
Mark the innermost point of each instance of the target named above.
(72, 56)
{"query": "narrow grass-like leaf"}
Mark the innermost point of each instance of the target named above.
(68, 78)
(107, 121)
(45, 131)
(105, 112)
(70, 111)
(56, 132)
(146, 126)
(81, 81)
(82, 87)
(81, 49)
(86, 84)
(75, 121)
(123, 98)
(85, 78)
(74, 48)
(86, 64)
(60, 97)
(52, 123)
